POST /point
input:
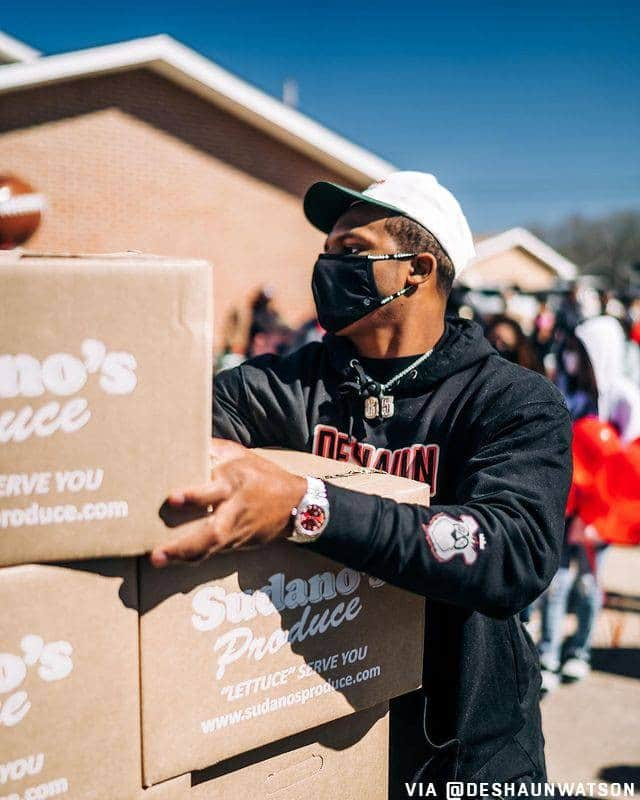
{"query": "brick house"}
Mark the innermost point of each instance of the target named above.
(146, 145)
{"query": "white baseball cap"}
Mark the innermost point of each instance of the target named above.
(416, 195)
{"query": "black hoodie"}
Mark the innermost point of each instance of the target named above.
(494, 442)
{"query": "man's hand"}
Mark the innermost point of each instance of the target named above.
(249, 501)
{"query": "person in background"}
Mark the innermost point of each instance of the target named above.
(263, 311)
(591, 376)
(618, 397)
(543, 327)
(506, 335)
(576, 380)
(268, 334)
(569, 314)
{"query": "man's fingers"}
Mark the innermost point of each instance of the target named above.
(207, 494)
(159, 558)
(200, 539)
(227, 521)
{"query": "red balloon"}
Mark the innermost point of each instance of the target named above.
(593, 442)
(620, 478)
(620, 484)
(591, 506)
(605, 491)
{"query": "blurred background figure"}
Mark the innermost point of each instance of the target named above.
(506, 335)
(262, 331)
(575, 378)
(618, 397)
(267, 331)
(590, 374)
(543, 328)
(262, 307)
(569, 314)
(268, 336)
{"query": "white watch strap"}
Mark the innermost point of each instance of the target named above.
(316, 490)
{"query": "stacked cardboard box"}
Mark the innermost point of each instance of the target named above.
(105, 386)
(69, 719)
(70, 723)
(259, 673)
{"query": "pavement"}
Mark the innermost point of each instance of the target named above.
(592, 728)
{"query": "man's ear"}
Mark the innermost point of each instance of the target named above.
(423, 266)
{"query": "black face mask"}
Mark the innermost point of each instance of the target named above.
(345, 291)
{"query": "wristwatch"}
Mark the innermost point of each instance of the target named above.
(311, 516)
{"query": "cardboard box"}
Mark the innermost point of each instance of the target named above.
(69, 708)
(349, 474)
(346, 759)
(253, 646)
(105, 400)
(174, 789)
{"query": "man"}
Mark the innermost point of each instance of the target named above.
(397, 387)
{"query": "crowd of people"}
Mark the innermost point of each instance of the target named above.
(589, 346)
(586, 342)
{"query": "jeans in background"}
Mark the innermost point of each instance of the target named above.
(554, 604)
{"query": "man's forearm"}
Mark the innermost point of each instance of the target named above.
(481, 556)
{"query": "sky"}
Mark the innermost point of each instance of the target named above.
(528, 112)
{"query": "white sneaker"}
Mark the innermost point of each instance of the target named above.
(575, 669)
(550, 681)
(548, 662)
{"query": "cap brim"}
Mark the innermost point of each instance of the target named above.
(324, 203)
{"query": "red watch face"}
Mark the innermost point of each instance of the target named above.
(312, 518)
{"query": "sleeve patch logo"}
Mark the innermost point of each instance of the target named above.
(448, 537)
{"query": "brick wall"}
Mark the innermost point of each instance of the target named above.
(132, 161)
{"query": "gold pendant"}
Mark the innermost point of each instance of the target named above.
(371, 408)
(387, 406)
(375, 407)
